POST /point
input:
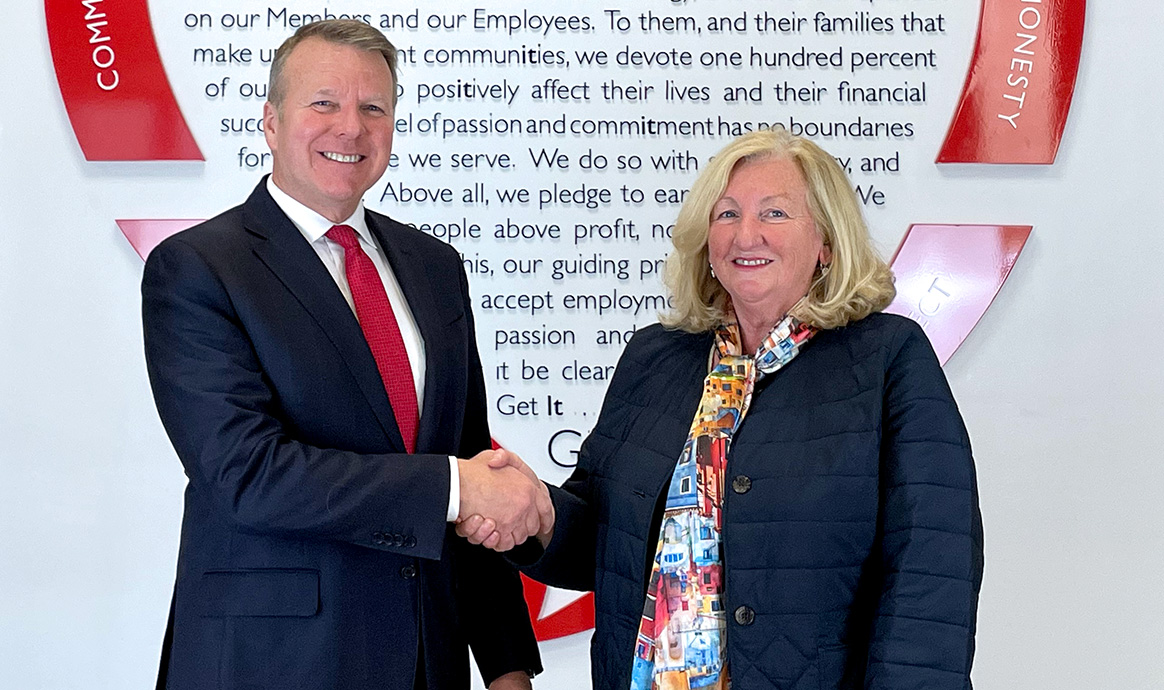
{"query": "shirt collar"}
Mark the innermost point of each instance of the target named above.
(312, 225)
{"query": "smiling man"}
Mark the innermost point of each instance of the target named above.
(315, 367)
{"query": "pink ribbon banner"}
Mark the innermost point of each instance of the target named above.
(948, 275)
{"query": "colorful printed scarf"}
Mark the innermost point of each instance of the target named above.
(681, 635)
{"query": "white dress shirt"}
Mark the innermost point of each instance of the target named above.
(314, 229)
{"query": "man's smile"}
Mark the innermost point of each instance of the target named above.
(342, 158)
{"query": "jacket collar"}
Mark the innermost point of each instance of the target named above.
(284, 250)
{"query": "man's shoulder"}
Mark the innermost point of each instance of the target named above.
(224, 233)
(228, 222)
(221, 235)
(410, 236)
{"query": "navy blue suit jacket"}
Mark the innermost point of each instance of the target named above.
(315, 552)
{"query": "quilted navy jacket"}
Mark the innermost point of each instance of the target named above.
(852, 535)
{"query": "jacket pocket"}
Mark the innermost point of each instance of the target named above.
(265, 592)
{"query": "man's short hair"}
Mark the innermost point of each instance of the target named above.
(344, 32)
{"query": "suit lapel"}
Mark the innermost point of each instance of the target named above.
(417, 281)
(289, 256)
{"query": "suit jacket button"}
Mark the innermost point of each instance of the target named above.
(408, 572)
(398, 540)
(410, 542)
(742, 484)
(745, 615)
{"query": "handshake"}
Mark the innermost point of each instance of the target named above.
(503, 502)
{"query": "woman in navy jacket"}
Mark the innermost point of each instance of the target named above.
(816, 524)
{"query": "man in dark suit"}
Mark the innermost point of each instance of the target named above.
(315, 367)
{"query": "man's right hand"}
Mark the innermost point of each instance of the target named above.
(482, 529)
(501, 493)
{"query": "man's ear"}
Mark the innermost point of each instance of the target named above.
(270, 123)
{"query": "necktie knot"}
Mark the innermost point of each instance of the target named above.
(344, 236)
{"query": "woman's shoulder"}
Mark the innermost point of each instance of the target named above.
(658, 358)
(880, 331)
(655, 344)
(882, 324)
(881, 339)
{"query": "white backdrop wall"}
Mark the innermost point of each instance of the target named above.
(1061, 383)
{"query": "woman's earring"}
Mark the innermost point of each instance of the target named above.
(712, 269)
(823, 269)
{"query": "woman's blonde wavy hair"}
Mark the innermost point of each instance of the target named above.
(858, 281)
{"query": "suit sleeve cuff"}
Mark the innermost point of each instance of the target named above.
(454, 490)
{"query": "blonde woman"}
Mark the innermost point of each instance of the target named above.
(779, 490)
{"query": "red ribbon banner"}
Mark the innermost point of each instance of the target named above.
(113, 84)
(1018, 90)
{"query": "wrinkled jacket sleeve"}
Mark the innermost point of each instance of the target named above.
(930, 530)
(489, 589)
(570, 559)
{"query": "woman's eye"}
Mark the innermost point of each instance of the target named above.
(726, 214)
(776, 213)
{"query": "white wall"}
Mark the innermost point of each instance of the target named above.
(1061, 384)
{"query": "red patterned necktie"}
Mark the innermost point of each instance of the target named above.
(381, 331)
